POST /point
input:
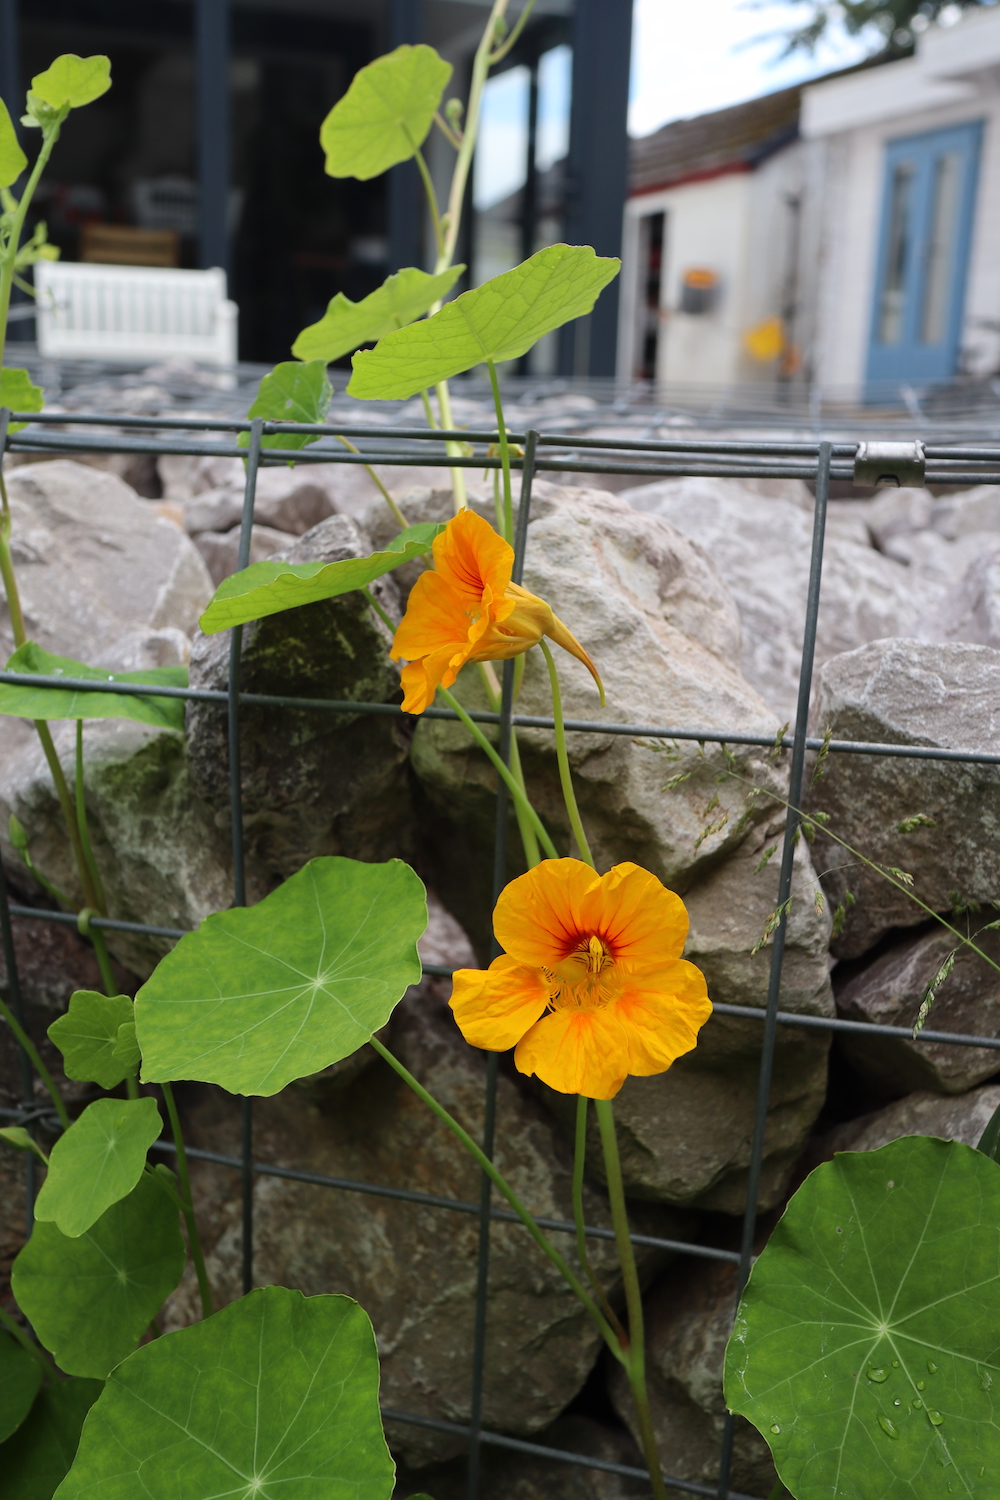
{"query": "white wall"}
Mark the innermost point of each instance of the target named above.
(706, 227)
(851, 121)
(736, 225)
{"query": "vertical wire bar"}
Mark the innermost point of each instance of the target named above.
(13, 979)
(236, 818)
(492, 1061)
(795, 779)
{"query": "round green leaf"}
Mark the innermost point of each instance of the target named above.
(30, 702)
(20, 1377)
(126, 1050)
(274, 1398)
(264, 994)
(90, 1299)
(97, 1162)
(88, 1034)
(346, 324)
(36, 1458)
(12, 159)
(499, 320)
(73, 80)
(18, 391)
(291, 392)
(267, 588)
(386, 113)
(867, 1345)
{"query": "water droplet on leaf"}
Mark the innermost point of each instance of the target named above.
(932, 1367)
(985, 1379)
(896, 1401)
(921, 1384)
(916, 1403)
(895, 1364)
(935, 1416)
(876, 1373)
(887, 1427)
(775, 1427)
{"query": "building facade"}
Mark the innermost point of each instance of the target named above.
(206, 152)
(843, 237)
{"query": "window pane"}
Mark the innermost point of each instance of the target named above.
(893, 298)
(554, 83)
(940, 248)
(499, 173)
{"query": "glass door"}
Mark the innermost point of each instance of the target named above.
(928, 202)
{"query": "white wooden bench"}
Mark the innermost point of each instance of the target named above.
(133, 313)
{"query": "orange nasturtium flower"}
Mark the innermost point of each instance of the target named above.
(466, 609)
(591, 986)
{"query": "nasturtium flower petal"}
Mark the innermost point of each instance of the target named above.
(467, 609)
(591, 986)
(494, 1008)
(576, 1052)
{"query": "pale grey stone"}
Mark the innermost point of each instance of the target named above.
(895, 512)
(908, 692)
(888, 993)
(968, 511)
(102, 579)
(220, 549)
(762, 548)
(970, 609)
(957, 1118)
(162, 857)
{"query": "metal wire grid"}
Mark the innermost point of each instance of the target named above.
(816, 461)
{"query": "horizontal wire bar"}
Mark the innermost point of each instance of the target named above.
(560, 1455)
(441, 971)
(522, 721)
(69, 919)
(432, 1200)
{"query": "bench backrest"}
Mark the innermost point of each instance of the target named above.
(134, 312)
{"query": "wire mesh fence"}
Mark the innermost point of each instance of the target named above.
(817, 462)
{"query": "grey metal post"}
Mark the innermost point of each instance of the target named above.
(212, 48)
(405, 200)
(597, 175)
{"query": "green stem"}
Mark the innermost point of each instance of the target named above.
(187, 1205)
(36, 1062)
(504, 1188)
(508, 497)
(510, 40)
(431, 199)
(562, 756)
(68, 812)
(428, 409)
(27, 1343)
(635, 1363)
(397, 513)
(579, 1161)
(532, 853)
(513, 785)
(451, 447)
(376, 606)
(81, 820)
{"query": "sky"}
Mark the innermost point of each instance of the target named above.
(687, 57)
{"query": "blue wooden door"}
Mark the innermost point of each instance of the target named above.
(927, 207)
